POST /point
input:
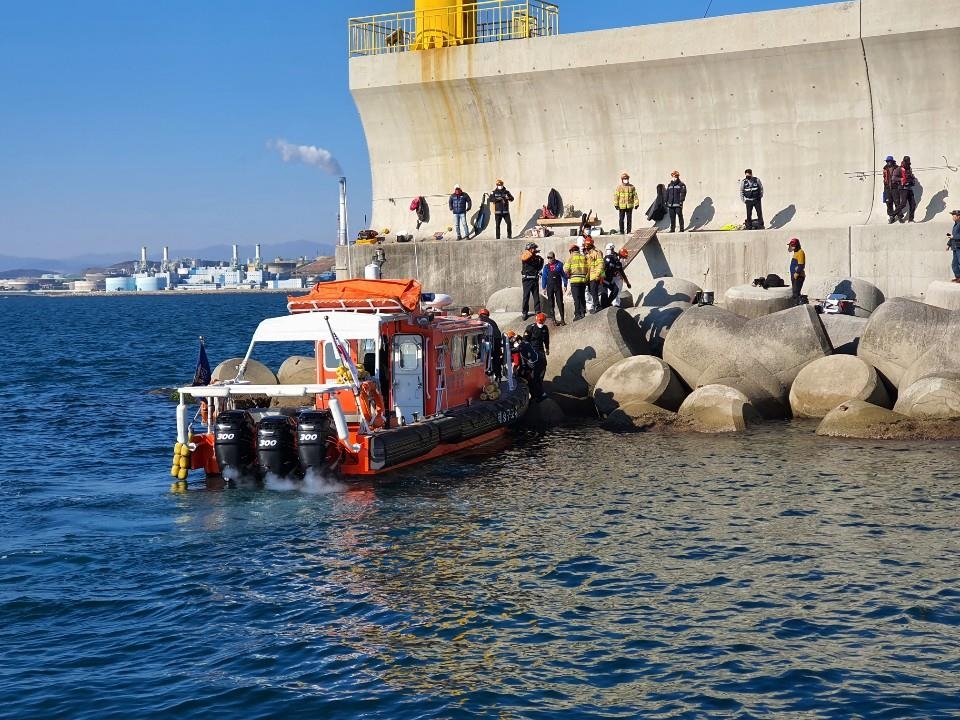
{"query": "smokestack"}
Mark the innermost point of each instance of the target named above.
(235, 259)
(143, 258)
(166, 255)
(257, 258)
(342, 230)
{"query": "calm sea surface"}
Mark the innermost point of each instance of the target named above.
(579, 574)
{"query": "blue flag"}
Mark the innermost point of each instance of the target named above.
(202, 374)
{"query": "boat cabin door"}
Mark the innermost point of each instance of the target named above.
(408, 376)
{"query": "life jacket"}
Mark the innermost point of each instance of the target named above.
(751, 188)
(576, 269)
(554, 275)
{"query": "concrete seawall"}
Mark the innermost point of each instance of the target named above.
(899, 259)
(812, 99)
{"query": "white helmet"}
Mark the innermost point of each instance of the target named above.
(610, 246)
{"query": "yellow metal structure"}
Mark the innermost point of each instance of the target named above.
(440, 24)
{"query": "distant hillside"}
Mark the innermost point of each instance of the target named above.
(14, 266)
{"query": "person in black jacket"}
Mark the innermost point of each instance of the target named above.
(496, 345)
(673, 197)
(538, 335)
(658, 208)
(751, 193)
(891, 189)
(501, 199)
(530, 266)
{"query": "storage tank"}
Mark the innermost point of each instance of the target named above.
(120, 284)
(148, 283)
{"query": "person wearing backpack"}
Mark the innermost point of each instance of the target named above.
(530, 266)
(501, 199)
(907, 181)
(554, 281)
(674, 195)
(751, 193)
(612, 271)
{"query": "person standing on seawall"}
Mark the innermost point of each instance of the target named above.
(891, 189)
(594, 273)
(953, 243)
(625, 201)
(530, 266)
(798, 264)
(907, 181)
(674, 195)
(501, 199)
(460, 204)
(576, 271)
(751, 193)
(554, 281)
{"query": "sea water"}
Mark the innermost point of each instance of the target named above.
(576, 574)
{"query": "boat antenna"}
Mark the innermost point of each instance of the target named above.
(708, 8)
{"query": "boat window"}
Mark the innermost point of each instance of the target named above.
(474, 346)
(409, 355)
(331, 360)
(456, 352)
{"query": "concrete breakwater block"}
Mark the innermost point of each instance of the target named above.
(866, 296)
(765, 356)
(575, 406)
(844, 332)
(636, 416)
(581, 355)
(944, 294)
(859, 419)
(716, 409)
(506, 300)
(829, 381)
(697, 337)
(664, 291)
(641, 378)
(930, 397)
(297, 369)
(750, 301)
(899, 332)
(543, 415)
(655, 323)
(255, 373)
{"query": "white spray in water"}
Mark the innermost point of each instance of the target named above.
(319, 484)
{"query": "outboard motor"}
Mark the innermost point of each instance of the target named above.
(235, 441)
(276, 445)
(314, 430)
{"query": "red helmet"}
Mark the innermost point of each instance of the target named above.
(623, 252)
(588, 241)
(483, 312)
(794, 242)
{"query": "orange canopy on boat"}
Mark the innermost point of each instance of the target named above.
(358, 294)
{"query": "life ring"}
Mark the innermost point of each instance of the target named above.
(371, 404)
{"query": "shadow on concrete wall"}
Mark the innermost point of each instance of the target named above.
(655, 325)
(571, 375)
(656, 260)
(659, 296)
(783, 217)
(917, 192)
(937, 205)
(702, 214)
(531, 222)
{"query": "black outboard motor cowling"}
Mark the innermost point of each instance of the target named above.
(276, 445)
(235, 440)
(315, 430)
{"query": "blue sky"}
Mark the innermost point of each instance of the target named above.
(126, 123)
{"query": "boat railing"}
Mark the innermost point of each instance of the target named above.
(379, 306)
(242, 389)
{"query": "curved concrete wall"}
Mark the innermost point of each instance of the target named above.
(812, 99)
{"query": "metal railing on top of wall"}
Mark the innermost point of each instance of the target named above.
(463, 24)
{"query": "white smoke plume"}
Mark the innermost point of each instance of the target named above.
(309, 154)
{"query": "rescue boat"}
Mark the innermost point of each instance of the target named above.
(399, 380)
